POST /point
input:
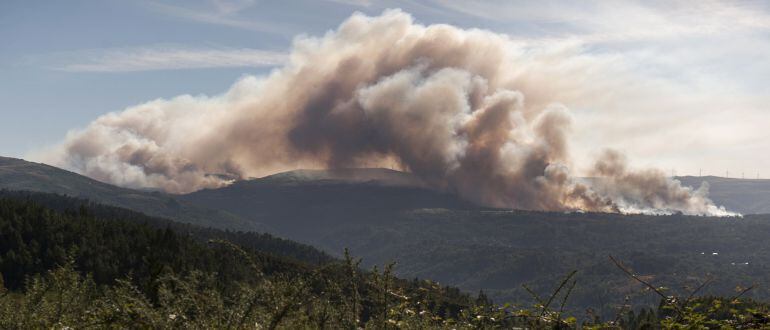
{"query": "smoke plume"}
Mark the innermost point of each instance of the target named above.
(466, 111)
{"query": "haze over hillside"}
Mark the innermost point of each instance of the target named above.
(746, 196)
(381, 176)
(17, 174)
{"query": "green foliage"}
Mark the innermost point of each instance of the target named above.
(257, 241)
(119, 272)
(64, 299)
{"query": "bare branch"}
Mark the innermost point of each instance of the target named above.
(742, 292)
(534, 295)
(566, 296)
(647, 284)
(553, 295)
(634, 276)
(694, 292)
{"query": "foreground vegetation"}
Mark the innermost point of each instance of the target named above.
(64, 299)
(66, 263)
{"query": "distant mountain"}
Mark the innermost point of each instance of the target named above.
(17, 174)
(295, 203)
(746, 196)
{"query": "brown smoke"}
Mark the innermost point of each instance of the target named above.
(443, 103)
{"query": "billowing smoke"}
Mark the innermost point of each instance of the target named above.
(467, 111)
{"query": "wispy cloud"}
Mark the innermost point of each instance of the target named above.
(220, 13)
(166, 58)
(232, 6)
(358, 3)
(601, 21)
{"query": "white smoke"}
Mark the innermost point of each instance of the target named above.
(468, 111)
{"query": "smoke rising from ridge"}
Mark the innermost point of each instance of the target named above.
(467, 111)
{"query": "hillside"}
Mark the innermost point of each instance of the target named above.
(295, 203)
(76, 268)
(498, 251)
(434, 235)
(261, 242)
(66, 263)
(378, 176)
(17, 174)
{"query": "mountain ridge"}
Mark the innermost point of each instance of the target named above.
(19, 174)
(746, 196)
(382, 176)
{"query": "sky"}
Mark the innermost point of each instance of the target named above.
(683, 84)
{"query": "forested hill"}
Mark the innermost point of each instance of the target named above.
(304, 205)
(39, 231)
(17, 174)
(76, 264)
(261, 242)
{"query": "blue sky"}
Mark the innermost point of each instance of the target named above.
(692, 90)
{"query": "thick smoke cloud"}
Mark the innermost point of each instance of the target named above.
(465, 110)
